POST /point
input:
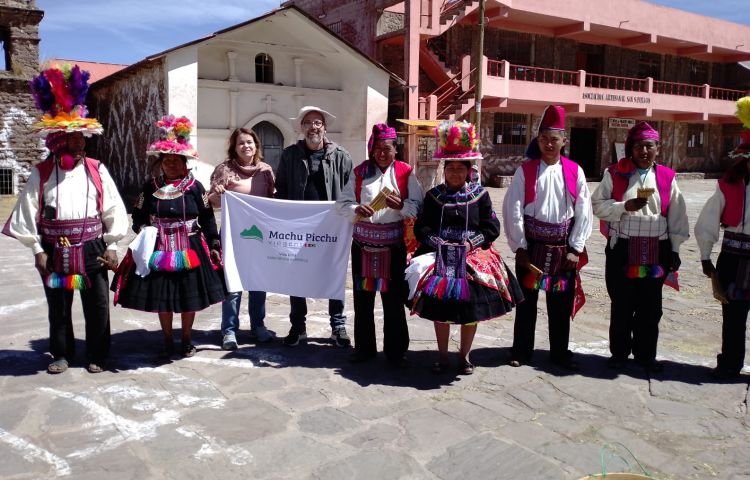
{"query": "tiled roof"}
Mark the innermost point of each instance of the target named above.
(96, 69)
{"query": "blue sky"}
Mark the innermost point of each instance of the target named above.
(126, 31)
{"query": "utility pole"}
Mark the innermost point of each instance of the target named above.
(478, 78)
(478, 83)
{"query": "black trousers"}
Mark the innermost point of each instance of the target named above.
(395, 330)
(95, 302)
(559, 311)
(734, 316)
(636, 307)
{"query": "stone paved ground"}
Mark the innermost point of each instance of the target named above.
(277, 413)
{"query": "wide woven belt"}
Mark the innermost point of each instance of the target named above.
(77, 230)
(379, 234)
(736, 243)
(191, 225)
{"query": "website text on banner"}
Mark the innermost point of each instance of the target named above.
(282, 246)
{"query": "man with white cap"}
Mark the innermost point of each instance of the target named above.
(314, 169)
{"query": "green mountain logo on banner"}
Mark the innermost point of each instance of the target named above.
(252, 233)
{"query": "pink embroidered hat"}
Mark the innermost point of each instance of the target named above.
(456, 141)
(640, 131)
(380, 131)
(174, 138)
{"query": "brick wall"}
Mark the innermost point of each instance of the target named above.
(19, 147)
(358, 18)
(128, 105)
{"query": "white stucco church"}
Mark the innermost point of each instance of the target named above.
(255, 74)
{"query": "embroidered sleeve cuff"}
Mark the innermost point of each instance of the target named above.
(477, 241)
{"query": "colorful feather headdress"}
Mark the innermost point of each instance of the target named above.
(743, 113)
(456, 141)
(60, 92)
(174, 137)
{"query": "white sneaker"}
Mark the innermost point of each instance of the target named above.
(229, 342)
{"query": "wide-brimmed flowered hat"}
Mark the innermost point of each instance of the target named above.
(456, 141)
(174, 138)
(60, 93)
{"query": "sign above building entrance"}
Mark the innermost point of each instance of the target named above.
(621, 123)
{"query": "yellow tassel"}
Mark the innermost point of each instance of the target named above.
(743, 111)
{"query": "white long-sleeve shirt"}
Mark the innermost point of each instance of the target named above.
(553, 204)
(73, 205)
(648, 221)
(707, 228)
(347, 204)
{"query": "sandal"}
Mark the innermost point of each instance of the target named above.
(466, 368)
(439, 367)
(515, 363)
(189, 350)
(59, 365)
(94, 368)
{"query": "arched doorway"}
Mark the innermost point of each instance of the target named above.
(272, 141)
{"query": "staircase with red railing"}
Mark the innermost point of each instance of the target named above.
(453, 8)
(452, 100)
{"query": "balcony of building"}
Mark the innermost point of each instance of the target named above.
(636, 24)
(526, 89)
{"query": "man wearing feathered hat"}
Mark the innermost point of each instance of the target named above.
(384, 193)
(547, 217)
(71, 216)
(644, 218)
(729, 208)
(314, 168)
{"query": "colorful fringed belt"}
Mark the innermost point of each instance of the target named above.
(173, 252)
(68, 260)
(448, 281)
(643, 258)
(375, 241)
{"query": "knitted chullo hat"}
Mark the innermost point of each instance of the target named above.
(743, 113)
(456, 141)
(60, 92)
(174, 138)
(640, 131)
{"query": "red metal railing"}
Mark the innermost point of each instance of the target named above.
(448, 107)
(494, 68)
(543, 75)
(682, 89)
(610, 82)
(725, 94)
(593, 80)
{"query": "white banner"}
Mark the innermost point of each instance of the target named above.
(283, 246)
